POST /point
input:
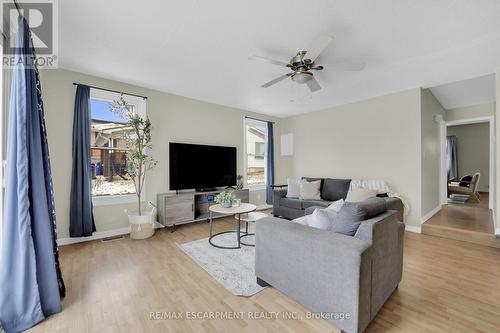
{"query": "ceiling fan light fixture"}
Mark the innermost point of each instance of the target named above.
(302, 77)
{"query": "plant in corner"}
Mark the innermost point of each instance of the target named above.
(239, 182)
(137, 138)
(225, 198)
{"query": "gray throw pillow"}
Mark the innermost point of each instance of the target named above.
(350, 216)
(335, 189)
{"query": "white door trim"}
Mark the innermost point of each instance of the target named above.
(442, 133)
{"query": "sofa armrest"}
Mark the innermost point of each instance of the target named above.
(323, 270)
(310, 210)
(396, 204)
(278, 193)
(386, 234)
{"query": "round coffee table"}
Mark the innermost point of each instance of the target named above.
(251, 217)
(241, 209)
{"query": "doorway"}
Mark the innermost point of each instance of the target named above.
(467, 152)
(470, 219)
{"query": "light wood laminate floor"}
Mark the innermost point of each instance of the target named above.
(448, 286)
(470, 222)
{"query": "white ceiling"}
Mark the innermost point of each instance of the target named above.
(200, 49)
(479, 90)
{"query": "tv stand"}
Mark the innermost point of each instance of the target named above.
(180, 208)
(205, 189)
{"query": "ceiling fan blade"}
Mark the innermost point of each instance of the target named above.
(344, 66)
(271, 61)
(313, 85)
(317, 47)
(276, 80)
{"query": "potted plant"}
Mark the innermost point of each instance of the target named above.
(225, 198)
(137, 137)
(239, 182)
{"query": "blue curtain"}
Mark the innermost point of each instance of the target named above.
(30, 278)
(270, 163)
(81, 217)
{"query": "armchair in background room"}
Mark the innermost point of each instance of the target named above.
(466, 185)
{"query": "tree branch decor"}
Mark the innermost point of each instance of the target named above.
(138, 142)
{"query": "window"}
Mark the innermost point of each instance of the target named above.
(255, 153)
(108, 155)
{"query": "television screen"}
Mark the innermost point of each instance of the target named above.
(201, 166)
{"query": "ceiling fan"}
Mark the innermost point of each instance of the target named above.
(304, 63)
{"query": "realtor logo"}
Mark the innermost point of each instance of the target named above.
(41, 17)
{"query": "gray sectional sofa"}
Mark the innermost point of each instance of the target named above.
(343, 279)
(331, 190)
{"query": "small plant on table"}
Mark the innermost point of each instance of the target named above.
(225, 198)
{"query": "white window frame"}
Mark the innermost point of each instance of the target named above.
(253, 122)
(140, 108)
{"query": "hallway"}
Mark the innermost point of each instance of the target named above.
(470, 222)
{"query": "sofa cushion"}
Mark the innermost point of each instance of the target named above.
(311, 179)
(311, 203)
(335, 189)
(293, 188)
(373, 207)
(348, 219)
(320, 219)
(291, 203)
(360, 194)
(310, 190)
(336, 205)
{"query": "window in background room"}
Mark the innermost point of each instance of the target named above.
(108, 148)
(255, 152)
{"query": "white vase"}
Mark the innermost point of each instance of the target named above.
(141, 226)
(226, 204)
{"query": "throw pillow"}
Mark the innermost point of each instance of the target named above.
(350, 216)
(348, 219)
(302, 220)
(360, 194)
(335, 189)
(465, 181)
(320, 219)
(336, 205)
(310, 190)
(293, 190)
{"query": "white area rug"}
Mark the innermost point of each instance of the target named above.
(234, 269)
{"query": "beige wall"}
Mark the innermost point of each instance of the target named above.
(474, 111)
(430, 108)
(392, 137)
(376, 138)
(473, 151)
(174, 118)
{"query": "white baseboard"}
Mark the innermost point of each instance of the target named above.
(497, 232)
(414, 229)
(99, 235)
(431, 214)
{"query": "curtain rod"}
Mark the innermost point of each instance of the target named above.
(18, 13)
(115, 91)
(18, 8)
(264, 121)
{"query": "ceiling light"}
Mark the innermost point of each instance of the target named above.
(302, 77)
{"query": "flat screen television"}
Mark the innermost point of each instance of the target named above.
(201, 167)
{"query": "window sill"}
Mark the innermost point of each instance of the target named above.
(252, 188)
(107, 200)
